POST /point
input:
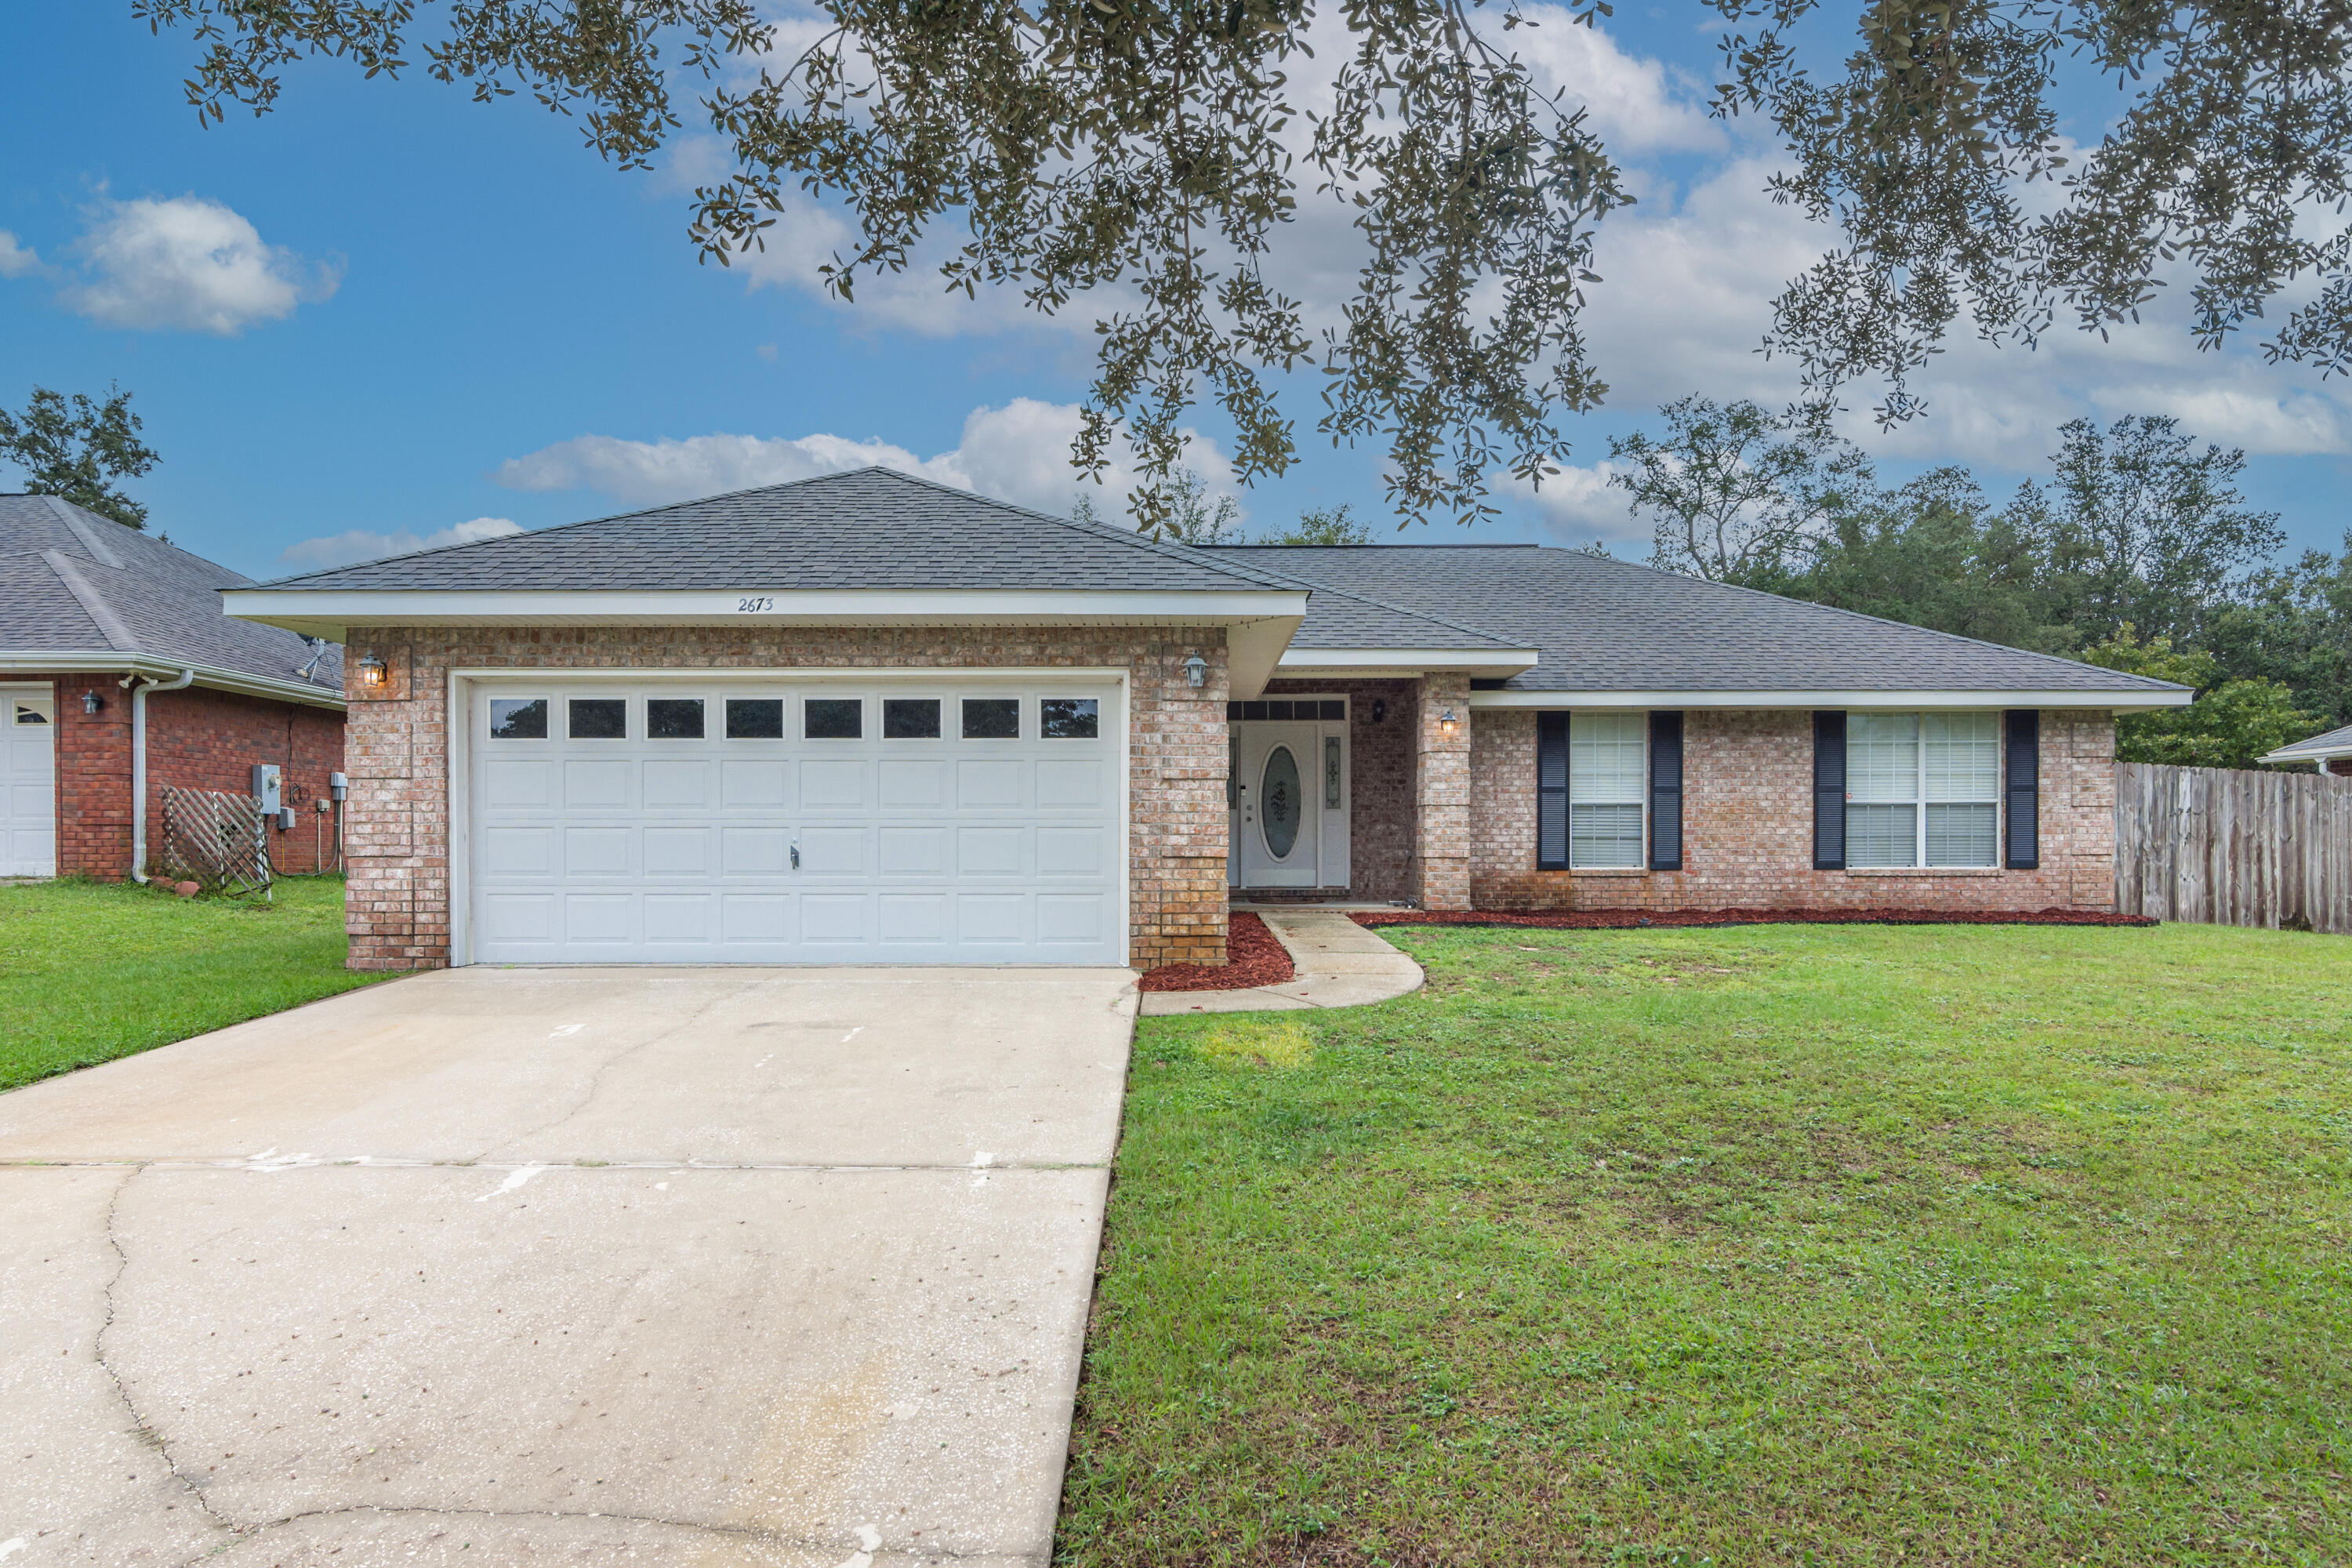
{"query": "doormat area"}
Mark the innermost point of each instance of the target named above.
(1623, 919)
(1257, 959)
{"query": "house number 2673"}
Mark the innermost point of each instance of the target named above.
(753, 606)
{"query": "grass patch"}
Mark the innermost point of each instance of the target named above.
(92, 971)
(1766, 1245)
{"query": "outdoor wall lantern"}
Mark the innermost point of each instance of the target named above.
(1447, 721)
(371, 671)
(92, 702)
(1196, 669)
(1380, 708)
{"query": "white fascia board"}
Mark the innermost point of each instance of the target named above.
(2306, 754)
(1900, 701)
(311, 609)
(1487, 663)
(72, 662)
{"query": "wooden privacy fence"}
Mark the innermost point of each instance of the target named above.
(2230, 847)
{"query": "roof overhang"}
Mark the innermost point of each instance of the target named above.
(84, 662)
(1483, 663)
(1258, 622)
(2308, 754)
(2116, 701)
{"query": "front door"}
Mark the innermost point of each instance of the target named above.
(1277, 807)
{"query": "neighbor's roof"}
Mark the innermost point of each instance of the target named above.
(2318, 749)
(870, 529)
(1602, 625)
(78, 591)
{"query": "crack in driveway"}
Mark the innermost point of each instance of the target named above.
(144, 1428)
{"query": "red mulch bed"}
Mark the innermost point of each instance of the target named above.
(1257, 959)
(1620, 920)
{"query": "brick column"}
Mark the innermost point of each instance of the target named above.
(1440, 793)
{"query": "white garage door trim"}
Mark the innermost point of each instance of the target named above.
(28, 779)
(462, 693)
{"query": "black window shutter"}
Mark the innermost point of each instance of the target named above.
(1551, 792)
(1666, 791)
(1829, 791)
(2025, 789)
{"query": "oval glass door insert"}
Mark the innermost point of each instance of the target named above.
(1279, 802)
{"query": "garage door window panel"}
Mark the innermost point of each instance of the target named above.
(910, 717)
(991, 718)
(519, 719)
(674, 718)
(599, 719)
(833, 718)
(755, 718)
(1069, 718)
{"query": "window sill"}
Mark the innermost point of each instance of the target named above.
(1924, 870)
(1608, 870)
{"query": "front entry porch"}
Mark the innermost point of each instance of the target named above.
(1351, 792)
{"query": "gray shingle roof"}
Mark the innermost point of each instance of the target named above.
(73, 581)
(1600, 625)
(2333, 740)
(871, 529)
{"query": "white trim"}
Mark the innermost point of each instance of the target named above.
(1897, 701)
(68, 662)
(2306, 753)
(756, 604)
(457, 730)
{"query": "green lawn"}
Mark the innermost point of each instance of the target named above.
(91, 971)
(1764, 1245)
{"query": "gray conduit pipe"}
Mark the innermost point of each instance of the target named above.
(140, 687)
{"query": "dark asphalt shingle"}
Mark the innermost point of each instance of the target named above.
(147, 597)
(871, 529)
(1600, 625)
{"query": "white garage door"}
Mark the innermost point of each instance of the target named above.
(695, 821)
(29, 782)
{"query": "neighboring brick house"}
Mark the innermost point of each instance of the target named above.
(867, 718)
(2330, 753)
(107, 632)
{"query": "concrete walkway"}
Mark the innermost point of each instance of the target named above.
(1339, 964)
(722, 1267)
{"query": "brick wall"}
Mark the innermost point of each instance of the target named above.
(398, 837)
(1748, 827)
(1442, 793)
(1380, 818)
(196, 739)
(93, 764)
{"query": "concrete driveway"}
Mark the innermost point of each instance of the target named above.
(514, 1267)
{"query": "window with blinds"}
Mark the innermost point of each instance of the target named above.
(1922, 789)
(1607, 779)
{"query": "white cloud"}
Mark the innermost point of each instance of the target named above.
(1578, 505)
(15, 260)
(1634, 105)
(1018, 453)
(188, 263)
(364, 544)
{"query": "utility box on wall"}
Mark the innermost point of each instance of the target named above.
(265, 786)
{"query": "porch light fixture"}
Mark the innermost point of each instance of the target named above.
(371, 670)
(1447, 721)
(1196, 670)
(92, 702)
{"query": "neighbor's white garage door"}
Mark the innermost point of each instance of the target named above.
(28, 782)
(685, 821)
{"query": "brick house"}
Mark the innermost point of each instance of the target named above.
(867, 718)
(117, 665)
(2330, 753)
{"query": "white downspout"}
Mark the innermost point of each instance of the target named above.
(140, 687)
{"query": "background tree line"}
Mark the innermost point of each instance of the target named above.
(2138, 552)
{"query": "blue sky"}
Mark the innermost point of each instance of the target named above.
(384, 312)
